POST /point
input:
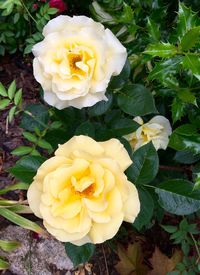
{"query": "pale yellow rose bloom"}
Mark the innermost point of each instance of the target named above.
(75, 61)
(157, 130)
(82, 193)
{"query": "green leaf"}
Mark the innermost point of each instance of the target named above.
(16, 18)
(55, 125)
(79, 254)
(192, 62)
(196, 176)
(186, 157)
(184, 226)
(58, 136)
(177, 197)
(145, 165)
(184, 138)
(26, 168)
(12, 90)
(30, 137)
(186, 130)
(169, 228)
(20, 209)
(146, 211)
(186, 19)
(194, 116)
(177, 109)
(23, 222)
(28, 49)
(18, 97)
(3, 264)
(124, 126)
(2, 50)
(11, 113)
(101, 107)
(86, 128)
(22, 150)
(4, 103)
(187, 96)
(52, 11)
(165, 72)
(126, 16)
(136, 100)
(190, 38)
(9, 245)
(153, 30)
(35, 116)
(37, 37)
(44, 144)
(35, 153)
(197, 181)
(161, 50)
(2, 90)
(100, 14)
(20, 185)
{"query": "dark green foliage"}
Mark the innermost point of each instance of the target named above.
(79, 254)
(146, 211)
(145, 165)
(26, 168)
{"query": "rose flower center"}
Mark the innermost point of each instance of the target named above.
(83, 187)
(74, 61)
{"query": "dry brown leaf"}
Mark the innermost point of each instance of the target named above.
(80, 271)
(162, 264)
(131, 260)
(88, 267)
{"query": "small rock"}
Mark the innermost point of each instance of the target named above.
(35, 256)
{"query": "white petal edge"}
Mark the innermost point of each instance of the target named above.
(132, 205)
(34, 199)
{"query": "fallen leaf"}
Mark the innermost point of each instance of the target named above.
(162, 264)
(131, 260)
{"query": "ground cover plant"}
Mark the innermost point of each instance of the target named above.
(108, 142)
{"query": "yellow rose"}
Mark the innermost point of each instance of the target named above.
(75, 61)
(157, 130)
(82, 193)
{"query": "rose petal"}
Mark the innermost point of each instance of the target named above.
(132, 205)
(34, 198)
(64, 236)
(83, 143)
(100, 232)
(115, 150)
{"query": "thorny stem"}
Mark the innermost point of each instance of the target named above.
(196, 247)
(26, 9)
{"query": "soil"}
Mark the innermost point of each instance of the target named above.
(13, 68)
